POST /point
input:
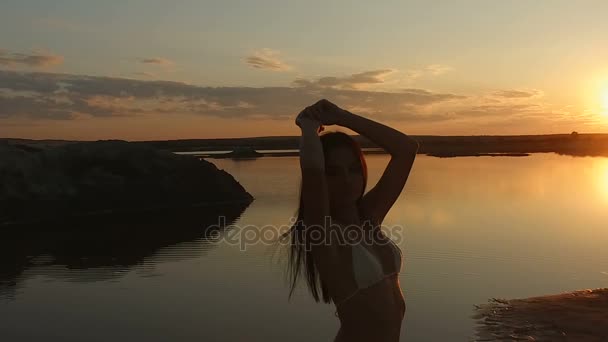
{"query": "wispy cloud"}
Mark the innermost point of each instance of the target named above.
(431, 70)
(517, 93)
(37, 58)
(157, 61)
(354, 81)
(267, 59)
(437, 69)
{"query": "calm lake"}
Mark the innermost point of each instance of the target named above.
(473, 228)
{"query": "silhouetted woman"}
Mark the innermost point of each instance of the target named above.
(337, 238)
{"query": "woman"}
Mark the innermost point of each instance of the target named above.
(359, 275)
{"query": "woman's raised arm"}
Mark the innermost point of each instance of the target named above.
(377, 202)
(315, 199)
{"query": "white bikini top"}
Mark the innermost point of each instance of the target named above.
(368, 269)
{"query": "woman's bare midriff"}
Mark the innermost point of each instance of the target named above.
(373, 314)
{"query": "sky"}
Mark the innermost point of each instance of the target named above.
(150, 70)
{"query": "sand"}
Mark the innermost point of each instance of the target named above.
(574, 316)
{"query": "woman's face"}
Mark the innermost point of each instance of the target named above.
(344, 175)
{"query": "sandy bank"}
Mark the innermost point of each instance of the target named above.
(573, 316)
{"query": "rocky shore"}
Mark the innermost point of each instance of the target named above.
(89, 178)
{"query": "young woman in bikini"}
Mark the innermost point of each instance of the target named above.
(336, 240)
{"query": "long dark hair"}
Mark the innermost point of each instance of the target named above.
(299, 256)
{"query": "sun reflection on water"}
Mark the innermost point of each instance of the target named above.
(603, 179)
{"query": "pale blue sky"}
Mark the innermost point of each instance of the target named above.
(557, 49)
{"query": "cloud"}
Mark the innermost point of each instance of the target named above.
(437, 69)
(34, 59)
(34, 108)
(517, 93)
(157, 61)
(413, 74)
(431, 70)
(63, 96)
(36, 97)
(267, 59)
(144, 74)
(519, 111)
(354, 81)
(504, 110)
(508, 104)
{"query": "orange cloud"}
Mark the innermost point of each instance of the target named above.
(517, 93)
(30, 97)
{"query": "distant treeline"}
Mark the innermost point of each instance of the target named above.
(441, 146)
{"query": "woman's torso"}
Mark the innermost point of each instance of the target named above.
(370, 305)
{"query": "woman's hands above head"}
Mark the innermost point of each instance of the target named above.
(323, 112)
(309, 118)
(330, 114)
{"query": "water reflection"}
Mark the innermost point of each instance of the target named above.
(603, 180)
(475, 228)
(105, 248)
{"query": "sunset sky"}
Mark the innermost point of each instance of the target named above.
(143, 70)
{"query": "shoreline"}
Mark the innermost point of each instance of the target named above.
(231, 155)
(571, 316)
(574, 144)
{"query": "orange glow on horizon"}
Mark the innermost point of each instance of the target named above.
(604, 101)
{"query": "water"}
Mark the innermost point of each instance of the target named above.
(474, 228)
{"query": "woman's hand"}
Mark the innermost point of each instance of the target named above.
(330, 114)
(309, 118)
